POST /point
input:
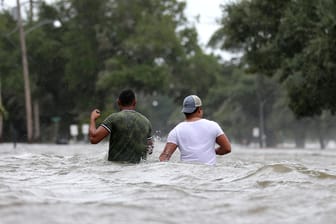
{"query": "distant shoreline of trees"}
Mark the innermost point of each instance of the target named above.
(104, 46)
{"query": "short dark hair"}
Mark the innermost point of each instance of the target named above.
(188, 114)
(126, 97)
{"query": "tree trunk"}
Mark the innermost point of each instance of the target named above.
(1, 114)
(37, 132)
(320, 127)
(1, 127)
(261, 103)
(31, 12)
(261, 124)
(29, 116)
(300, 134)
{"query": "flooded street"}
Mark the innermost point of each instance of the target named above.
(75, 184)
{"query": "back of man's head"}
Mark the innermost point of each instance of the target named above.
(126, 97)
(191, 104)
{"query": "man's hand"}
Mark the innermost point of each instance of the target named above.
(96, 134)
(95, 114)
(150, 146)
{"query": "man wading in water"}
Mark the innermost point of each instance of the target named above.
(196, 137)
(130, 131)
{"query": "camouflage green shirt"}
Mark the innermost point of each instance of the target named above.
(129, 132)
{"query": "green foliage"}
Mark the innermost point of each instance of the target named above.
(102, 47)
(250, 26)
(143, 77)
(3, 111)
(12, 105)
(146, 45)
(309, 68)
(196, 75)
(235, 100)
(292, 39)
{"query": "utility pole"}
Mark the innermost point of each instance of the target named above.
(31, 13)
(261, 103)
(29, 115)
(2, 113)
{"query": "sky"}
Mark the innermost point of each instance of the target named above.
(208, 11)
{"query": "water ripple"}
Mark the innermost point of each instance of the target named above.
(69, 184)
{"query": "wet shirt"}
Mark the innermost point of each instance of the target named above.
(129, 133)
(196, 140)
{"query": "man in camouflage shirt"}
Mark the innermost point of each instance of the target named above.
(130, 131)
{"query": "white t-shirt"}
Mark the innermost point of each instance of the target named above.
(196, 140)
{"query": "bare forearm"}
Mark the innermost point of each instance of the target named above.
(167, 152)
(165, 156)
(96, 134)
(222, 150)
(224, 145)
(92, 131)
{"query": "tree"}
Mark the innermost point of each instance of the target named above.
(306, 39)
(250, 27)
(289, 39)
(235, 102)
(11, 76)
(101, 47)
(144, 45)
(154, 51)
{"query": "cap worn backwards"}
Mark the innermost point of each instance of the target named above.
(190, 103)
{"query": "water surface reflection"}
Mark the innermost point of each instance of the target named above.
(75, 183)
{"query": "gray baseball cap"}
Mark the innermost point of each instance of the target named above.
(190, 103)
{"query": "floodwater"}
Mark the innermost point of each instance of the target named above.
(75, 184)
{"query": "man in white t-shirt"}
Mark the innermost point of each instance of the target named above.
(196, 137)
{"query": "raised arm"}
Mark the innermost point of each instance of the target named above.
(224, 145)
(96, 134)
